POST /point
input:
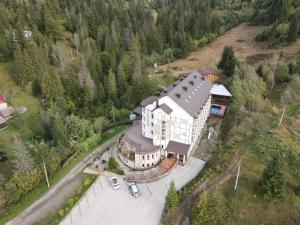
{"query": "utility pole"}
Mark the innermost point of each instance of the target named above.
(237, 178)
(46, 175)
(282, 116)
(235, 188)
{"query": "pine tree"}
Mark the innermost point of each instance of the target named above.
(271, 184)
(228, 61)
(172, 199)
(206, 210)
(60, 134)
(294, 28)
(121, 80)
(110, 85)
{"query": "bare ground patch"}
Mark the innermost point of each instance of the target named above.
(242, 38)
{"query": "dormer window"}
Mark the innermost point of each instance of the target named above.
(177, 95)
(191, 82)
(185, 88)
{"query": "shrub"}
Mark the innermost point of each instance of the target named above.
(61, 212)
(71, 202)
(87, 182)
(112, 164)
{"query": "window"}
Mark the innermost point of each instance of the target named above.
(152, 164)
(148, 165)
(152, 124)
(143, 165)
(152, 156)
(148, 157)
(152, 116)
(143, 157)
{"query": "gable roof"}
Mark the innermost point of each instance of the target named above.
(148, 100)
(190, 92)
(164, 107)
(177, 147)
(221, 90)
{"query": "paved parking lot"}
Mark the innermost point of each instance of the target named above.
(104, 206)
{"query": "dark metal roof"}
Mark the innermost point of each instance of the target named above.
(190, 92)
(204, 72)
(149, 100)
(165, 108)
(138, 110)
(177, 147)
(134, 137)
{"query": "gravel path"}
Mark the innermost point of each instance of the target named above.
(58, 194)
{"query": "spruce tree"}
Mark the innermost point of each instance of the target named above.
(110, 85)
(228, 61)
(294, 28)
(172, 199)
(121, 80)
(271, 184)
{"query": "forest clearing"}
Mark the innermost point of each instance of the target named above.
(242, 38)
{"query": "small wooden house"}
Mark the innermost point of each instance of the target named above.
(220, 95)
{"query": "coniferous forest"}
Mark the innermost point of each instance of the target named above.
(84, 59)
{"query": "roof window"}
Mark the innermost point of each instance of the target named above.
(191, 82)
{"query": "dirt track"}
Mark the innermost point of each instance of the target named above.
(242, 38)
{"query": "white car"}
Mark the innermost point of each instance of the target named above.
(114, 183)
(134, 190)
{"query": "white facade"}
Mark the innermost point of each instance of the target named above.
(178, 126)
(171, 123)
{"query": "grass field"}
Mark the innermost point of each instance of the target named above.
(242, 38)
(24, 125)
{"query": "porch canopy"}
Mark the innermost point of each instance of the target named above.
(176, 147)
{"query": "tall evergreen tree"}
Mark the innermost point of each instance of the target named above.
(228, 61)
(294, 28)
(111, 85)
(172, 199)
(121, 80)
(272, 182)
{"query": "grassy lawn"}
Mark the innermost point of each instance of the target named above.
(24, 125)
(42, 189)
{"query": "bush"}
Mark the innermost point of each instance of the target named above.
(87, 182)
(71, 202)
(61, 213)
(112, 164)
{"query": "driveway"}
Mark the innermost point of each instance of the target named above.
(102, 205)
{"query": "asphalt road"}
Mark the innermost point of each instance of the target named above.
(58, 194)
(104, 206)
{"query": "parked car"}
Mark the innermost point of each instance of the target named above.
(114, 183)
(134, 190)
